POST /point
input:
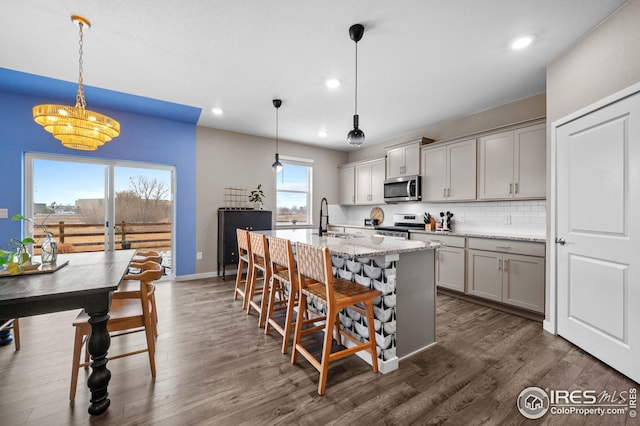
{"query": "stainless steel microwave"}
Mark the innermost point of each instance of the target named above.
(405, 188)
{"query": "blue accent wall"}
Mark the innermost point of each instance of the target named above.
(148, 134)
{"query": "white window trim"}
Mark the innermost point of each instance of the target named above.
(305, 162)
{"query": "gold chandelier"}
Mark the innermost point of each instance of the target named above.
(77, 127)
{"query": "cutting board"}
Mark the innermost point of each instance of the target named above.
(377, 213)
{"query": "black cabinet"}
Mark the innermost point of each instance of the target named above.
(228, 222)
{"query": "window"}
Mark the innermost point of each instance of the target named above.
(293, 185)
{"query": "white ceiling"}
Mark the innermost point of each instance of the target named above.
(420, 61)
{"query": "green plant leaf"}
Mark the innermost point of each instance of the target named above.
(17, 217)
(28, 240)
(15, 268)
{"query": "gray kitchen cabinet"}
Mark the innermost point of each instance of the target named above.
(403, 160)
(512, 164)
(510, 272)
(347, 185)
(449, 172)
(450, 259)
(369, 182)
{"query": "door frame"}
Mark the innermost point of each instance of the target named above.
(109, 171)
(550, 323)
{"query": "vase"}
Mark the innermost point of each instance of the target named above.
(49, 250)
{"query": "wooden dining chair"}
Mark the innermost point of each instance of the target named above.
(284, 277)
(317, 283)
(130, 284)
(147, 255)
(244, 259)
(261, 266)
(12, 324)
(127, 315)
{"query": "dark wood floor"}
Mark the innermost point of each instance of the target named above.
(215, 366)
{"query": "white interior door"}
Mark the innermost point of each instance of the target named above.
(598, 250)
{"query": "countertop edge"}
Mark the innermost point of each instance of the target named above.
(531, 239)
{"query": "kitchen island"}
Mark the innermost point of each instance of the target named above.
(404, 271)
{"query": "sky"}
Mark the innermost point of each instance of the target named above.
(292, 178)
(65, 182)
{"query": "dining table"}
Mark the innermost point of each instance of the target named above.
(77, 280)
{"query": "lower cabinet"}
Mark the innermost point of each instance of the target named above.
(450, 259)
(507, 276)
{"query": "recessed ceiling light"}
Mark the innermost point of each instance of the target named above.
(323, 133)
(522, 42)
(333, 83)
(217, 111)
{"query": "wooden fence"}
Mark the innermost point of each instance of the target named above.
(80, 237)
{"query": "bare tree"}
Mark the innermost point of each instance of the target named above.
(151, 192)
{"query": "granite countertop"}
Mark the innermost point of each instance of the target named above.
(352, 247)
(469, 234)
(496, 236)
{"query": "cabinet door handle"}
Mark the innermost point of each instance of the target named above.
(516, 189)
(506, 265)
(510, 188)
(498, 263)
(448, 192)
(503, 247)
(444, 192)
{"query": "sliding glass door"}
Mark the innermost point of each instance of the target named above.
(93, 205)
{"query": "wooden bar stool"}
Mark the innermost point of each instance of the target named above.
(244, 258)
(316, 282)
(261, 264)
(283, 268)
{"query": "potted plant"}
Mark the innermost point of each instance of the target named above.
(48, 248)
(257, 197)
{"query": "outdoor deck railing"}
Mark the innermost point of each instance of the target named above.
(90, 236)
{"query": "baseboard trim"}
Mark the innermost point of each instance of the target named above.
(490, 304)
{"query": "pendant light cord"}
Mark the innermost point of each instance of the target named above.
(277, 121)
(356, 78)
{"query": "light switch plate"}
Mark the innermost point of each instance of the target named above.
(4, 213)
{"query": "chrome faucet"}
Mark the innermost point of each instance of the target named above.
(324, 203)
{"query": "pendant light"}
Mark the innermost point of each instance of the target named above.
(75, 126)
(277, 165)
(356, 136)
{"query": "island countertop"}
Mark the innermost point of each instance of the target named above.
(351, 246)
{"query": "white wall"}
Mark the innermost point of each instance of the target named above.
(603, 62)
(240, 160)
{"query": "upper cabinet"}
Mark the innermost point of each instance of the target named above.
(449, 172)
(362, 183)
(403, 160)
(347, 185)
(369, 178)
(513, 164)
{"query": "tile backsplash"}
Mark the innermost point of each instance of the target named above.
(523, 218)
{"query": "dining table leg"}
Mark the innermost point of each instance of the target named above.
(98, 346)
